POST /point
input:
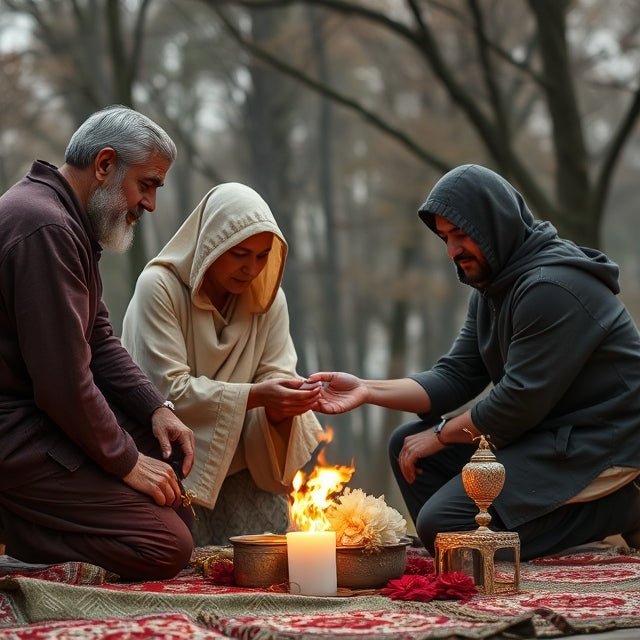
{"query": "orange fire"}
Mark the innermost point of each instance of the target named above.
(313, 494)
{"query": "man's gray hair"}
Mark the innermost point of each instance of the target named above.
(133, 136)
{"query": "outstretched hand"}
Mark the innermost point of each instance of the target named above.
(340, 392)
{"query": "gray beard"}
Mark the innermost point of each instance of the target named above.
(107, 211)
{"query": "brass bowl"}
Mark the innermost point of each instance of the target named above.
(359, 568)
(261, 561)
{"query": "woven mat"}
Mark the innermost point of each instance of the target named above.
(593, 590)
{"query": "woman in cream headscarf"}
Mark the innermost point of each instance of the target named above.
(208, 323)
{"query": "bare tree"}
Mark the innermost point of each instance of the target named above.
(501, 64)
(92, 62)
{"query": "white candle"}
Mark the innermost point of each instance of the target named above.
(311, 556)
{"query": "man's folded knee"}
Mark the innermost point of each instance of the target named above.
(178, 559)
(159, 559)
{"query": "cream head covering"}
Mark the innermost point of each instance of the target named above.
(227, 215)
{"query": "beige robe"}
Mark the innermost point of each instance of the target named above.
(205, 359)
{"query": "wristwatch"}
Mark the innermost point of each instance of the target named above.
(437, 430)
(169, 405)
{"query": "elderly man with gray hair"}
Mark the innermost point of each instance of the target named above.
(89, 449)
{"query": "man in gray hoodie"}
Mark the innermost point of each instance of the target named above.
(560, 355)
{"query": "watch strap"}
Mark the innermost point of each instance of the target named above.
(437, 430)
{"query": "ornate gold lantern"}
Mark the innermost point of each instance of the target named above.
(474, 552)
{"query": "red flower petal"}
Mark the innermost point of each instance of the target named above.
(456, 585)
(419, 565)
(221, 572)
(411, 587)
(447, 586)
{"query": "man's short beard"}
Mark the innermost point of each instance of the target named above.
(479, 281)
(107, 211)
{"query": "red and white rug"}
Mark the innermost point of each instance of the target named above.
(578, 593)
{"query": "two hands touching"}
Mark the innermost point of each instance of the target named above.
(284, 398)
(328, 393)
(339, 392)
(342, 392)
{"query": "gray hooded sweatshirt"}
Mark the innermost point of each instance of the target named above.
(551, 336)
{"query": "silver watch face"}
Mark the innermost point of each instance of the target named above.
(169, 405)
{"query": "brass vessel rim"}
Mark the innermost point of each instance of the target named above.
(267, 539)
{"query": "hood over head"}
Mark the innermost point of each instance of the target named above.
(227, 215)
(496, 217)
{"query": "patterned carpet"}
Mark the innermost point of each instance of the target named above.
(589, 591)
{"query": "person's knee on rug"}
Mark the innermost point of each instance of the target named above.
(157, 546)
(569, 526)
(579, 523)
(160, 556)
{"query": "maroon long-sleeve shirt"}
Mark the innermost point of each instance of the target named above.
(60, 364)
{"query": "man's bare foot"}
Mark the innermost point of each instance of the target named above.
(632, 538)
(616, 541)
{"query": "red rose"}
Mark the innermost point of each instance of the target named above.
(447, 586)
(411, 587)
(454, 585)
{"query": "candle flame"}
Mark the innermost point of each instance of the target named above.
(313, 494)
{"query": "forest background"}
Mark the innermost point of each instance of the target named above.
(343, 115)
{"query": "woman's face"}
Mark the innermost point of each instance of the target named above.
(237, 267)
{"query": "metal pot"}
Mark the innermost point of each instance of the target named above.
(359, 568)
(261, 561)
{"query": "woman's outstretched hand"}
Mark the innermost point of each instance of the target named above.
(340, 392)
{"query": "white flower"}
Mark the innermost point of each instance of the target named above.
(362, 520)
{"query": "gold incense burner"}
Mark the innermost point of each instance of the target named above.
(474, 552)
